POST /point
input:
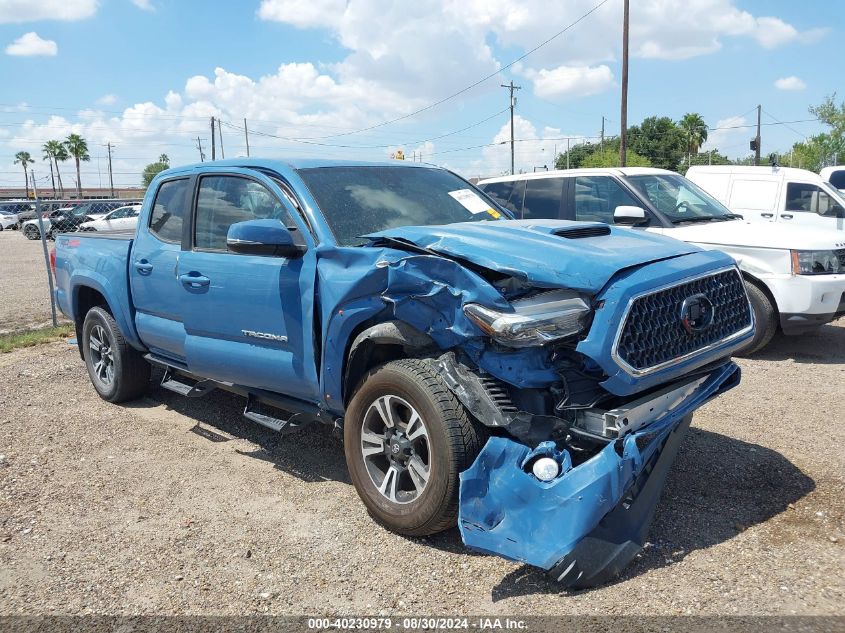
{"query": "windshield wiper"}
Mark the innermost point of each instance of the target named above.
(709, 218)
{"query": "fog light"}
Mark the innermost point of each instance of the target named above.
(545, 469)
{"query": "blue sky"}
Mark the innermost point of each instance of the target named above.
(146, 75)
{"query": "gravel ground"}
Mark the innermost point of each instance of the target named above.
(170, 506)
(24, 290)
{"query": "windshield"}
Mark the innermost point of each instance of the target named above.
(356, 201)
(679, 199)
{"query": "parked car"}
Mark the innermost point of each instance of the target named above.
(774, 194)
(8, 220)
(121, 219)
(547, 370)
(72, 218)
(835, 176)
(794, 276)
(31, 229)
(21, 209)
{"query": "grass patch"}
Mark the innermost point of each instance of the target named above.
(16, 340)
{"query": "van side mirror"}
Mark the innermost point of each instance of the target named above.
(263, 237)
(628, 215)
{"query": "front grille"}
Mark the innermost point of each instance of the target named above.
(654, 333)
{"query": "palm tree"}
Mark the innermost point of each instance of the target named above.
(49, 148)
(78, 148)
(24, 159)
(61, 155)
(164, 159)
(696, 130)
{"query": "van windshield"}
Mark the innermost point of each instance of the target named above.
(679, 199)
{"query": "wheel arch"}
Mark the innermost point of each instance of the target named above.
(374, 344)
(764, 288)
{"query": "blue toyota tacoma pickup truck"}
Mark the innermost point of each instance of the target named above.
(528, 380)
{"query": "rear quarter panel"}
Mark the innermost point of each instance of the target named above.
(99, 262)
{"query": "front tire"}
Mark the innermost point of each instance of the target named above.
(117, 370)
(765, 319)
(406, 439)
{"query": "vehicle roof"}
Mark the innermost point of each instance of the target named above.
(751, 170)
(595, 171)
(286, 164)
(827, 171)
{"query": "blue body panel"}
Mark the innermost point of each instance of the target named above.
(509, 512)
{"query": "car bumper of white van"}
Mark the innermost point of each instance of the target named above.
(808, 301)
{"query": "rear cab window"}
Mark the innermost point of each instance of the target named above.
(169, 210)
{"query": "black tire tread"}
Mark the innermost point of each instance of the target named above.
(466, 436)
(767, 326)
(135, 378)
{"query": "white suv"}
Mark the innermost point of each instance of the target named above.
(795, 276)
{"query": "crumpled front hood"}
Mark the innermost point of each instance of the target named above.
(530, 250)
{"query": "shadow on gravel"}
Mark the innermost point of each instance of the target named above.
(311, 454)
(719, 486)
(826, 346)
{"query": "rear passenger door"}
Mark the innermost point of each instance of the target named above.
(248, 318)
(156, 292)
(543, 198)
(755, 200)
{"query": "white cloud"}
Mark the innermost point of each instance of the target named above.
(303, 13)
(570, 81)
(535, 149)
(727, 135)
(145, 5)
(790, 83)
(17, 11)
(32, 45)
(107, 100)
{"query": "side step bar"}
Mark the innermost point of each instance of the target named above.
(299, 413)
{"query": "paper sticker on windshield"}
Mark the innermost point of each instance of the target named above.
(472, 202)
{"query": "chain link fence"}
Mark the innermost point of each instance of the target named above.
(26, 230)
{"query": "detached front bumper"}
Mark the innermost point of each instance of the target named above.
(587, 524)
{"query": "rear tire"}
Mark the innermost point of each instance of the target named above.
(765, 319)
(117, 370)
(421, 496)
(31, 233)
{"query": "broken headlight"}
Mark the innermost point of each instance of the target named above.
(541, 319)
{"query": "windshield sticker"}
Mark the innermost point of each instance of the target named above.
(472, 202)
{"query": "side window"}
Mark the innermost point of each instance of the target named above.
(500, 192)
(169, 210)
(596, 198)
(804, 197)
(542, 198)
(225, 200)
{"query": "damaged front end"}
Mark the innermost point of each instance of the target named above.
(586, 523)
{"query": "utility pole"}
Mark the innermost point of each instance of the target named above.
(567, 152)
(213, 142)
(623, 123)
(602, 135)
(246, 135)
(757, 139)
(511, 88)
(199, 147)
(111, 178)
(220, 132)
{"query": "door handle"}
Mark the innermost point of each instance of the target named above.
(194, 280)
(786, 216)
(768, 215)
(144, 267)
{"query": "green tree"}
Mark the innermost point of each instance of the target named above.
(60, 157)
(660, 140)
(153, 169)
(610, 158)
(712, 157)
(695, 129)
(78, 148)
(24, 159)
(50, 148)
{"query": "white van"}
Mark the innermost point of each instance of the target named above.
(795, 276)
(835, 176)
(774, 194)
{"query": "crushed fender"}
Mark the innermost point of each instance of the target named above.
(505, 510)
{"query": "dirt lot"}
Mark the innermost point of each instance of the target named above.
(176, 506)
(24, 290)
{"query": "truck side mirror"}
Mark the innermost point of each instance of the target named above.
(263, 237)
(628, 215)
